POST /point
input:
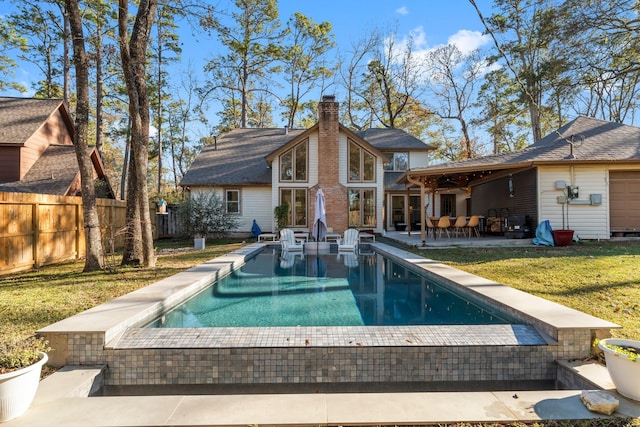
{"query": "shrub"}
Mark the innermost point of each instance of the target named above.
(205, 213)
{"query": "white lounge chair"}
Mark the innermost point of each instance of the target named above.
(350, 240)
(289, 241)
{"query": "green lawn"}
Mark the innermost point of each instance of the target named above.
(602, 279)
(598, 278)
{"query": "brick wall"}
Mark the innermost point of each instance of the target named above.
(328, 167)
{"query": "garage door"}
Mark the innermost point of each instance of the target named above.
(624, 198)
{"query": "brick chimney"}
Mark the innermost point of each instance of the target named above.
(329, 161)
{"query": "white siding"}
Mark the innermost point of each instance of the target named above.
(418, 159)
(255, 203)
(588, 221)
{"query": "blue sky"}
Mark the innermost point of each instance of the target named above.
(433, 23)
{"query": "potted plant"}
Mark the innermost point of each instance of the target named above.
(281, 214)
(622, 357)
(564, 237)
(21, 363)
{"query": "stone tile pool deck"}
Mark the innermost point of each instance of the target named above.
(107, 335)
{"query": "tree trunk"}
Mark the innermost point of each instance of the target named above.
(93, 238)
(133, 51)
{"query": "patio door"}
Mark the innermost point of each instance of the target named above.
(398, 209)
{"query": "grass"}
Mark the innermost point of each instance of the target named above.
(602, 279)
(598, 278)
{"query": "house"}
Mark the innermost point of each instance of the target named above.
(584, 176)
(37, 154)
(255, 170)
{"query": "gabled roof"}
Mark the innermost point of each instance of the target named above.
(589, 140)
(22, 117)
(385, 139)
(237, 158)
(241, 157)
(52, 173)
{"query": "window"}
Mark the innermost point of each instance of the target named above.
(232, 201)
(399, 162)
(362, 164)
(293, 164)
(362, 207)
(447, 205)
(296, 199)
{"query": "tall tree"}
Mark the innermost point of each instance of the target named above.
(93, 238)
(500, 113)
(454, 77)
(165, 49)
(133, 52)
(393, 78)
(39, 22)
(253, 45)
(10, 39)
(305, 60)
(525, 34)
(604, 39)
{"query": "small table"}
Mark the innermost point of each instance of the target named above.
(369, 236)
(265, 236)
(332, 236)
(301, 235)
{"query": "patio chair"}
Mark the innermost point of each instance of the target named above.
(474, 226)
(289, 241)
(431, 227)
(460, 226)
(350, 240)
(443, 224)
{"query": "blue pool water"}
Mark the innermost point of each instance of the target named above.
(287, 289)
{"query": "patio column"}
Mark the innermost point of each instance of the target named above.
(423, 219)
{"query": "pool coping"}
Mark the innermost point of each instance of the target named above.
(93, 329)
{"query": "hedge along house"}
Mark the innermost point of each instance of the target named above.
(255, 170)
(585, 176)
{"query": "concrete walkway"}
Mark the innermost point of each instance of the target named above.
(61, 401)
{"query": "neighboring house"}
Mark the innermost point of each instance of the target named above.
(255, 170)
(37, 154)
(599, 160)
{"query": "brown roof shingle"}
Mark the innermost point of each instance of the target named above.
(21, 117)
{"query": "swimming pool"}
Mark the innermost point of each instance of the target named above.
(277, 288)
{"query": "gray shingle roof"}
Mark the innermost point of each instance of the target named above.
(393, 140)
(21, 117)
(52, 173)
(239, 158)
(593, 141)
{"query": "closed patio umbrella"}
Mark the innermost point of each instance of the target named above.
(320, 219)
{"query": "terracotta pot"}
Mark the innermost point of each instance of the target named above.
(562, 237)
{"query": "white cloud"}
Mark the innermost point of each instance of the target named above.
(402, 10)
(468, 41)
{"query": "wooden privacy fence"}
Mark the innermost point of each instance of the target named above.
(40, 229)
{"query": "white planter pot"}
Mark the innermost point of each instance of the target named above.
(18, 388)
(198, 243)
(625, 373)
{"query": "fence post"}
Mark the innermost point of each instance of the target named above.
(35, 232)
(79, 223)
